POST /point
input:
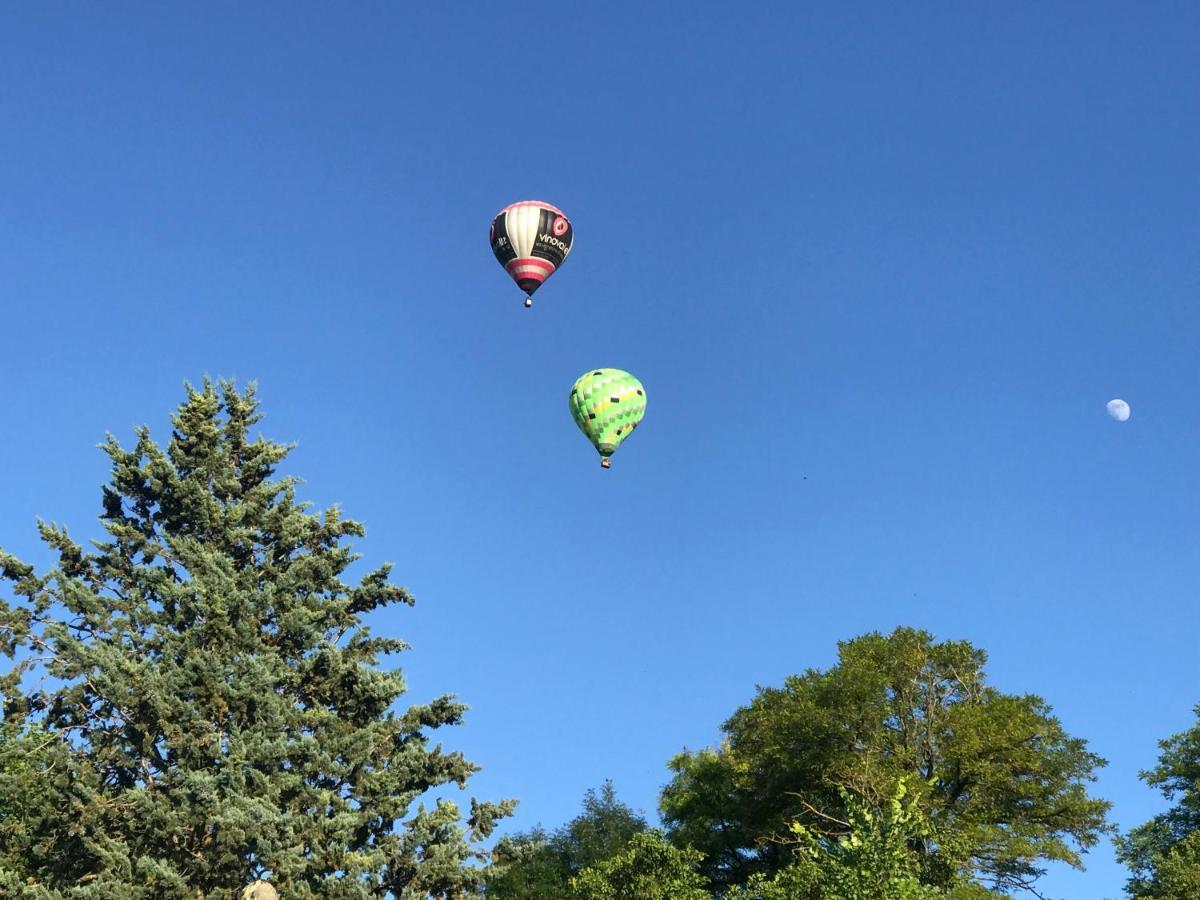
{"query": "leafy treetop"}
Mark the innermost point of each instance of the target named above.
(997, 771)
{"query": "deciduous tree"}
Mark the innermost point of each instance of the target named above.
(649, 868)
(874, 853)
(1164, 853)
(997, 771)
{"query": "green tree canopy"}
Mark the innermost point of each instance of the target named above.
(1164, 853)
(872, 854)
(534, 865)
(997, 771)
(648, 869)
(1174, 873)
(197, 700)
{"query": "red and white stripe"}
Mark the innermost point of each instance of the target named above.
(529, 267)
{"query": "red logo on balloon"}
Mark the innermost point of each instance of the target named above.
(560, 227)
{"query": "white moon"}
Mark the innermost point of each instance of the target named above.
(1118, 409)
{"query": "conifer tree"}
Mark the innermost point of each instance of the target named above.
(534, 865)
(196, 701)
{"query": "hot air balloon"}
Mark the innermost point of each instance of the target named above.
(607, 405)
(531, 239)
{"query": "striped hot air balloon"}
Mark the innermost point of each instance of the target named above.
(607, 405)
(531, 239)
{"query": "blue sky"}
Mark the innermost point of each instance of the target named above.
(879, 269)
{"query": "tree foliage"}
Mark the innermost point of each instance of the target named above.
(1175, 873)
(995, 770)
(648, 869)
(1164, 853)
(872, 854)
(535, 865)
(197, 700)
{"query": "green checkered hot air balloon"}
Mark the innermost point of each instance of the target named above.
(607, 405)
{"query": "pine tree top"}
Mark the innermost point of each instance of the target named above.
(215, 707)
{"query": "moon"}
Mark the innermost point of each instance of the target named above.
(1118, 409)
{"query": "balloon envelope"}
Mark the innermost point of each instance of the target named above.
(607, 405)
(531, 239)
(1118, 409)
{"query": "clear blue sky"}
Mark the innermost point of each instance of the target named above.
(879, 269)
